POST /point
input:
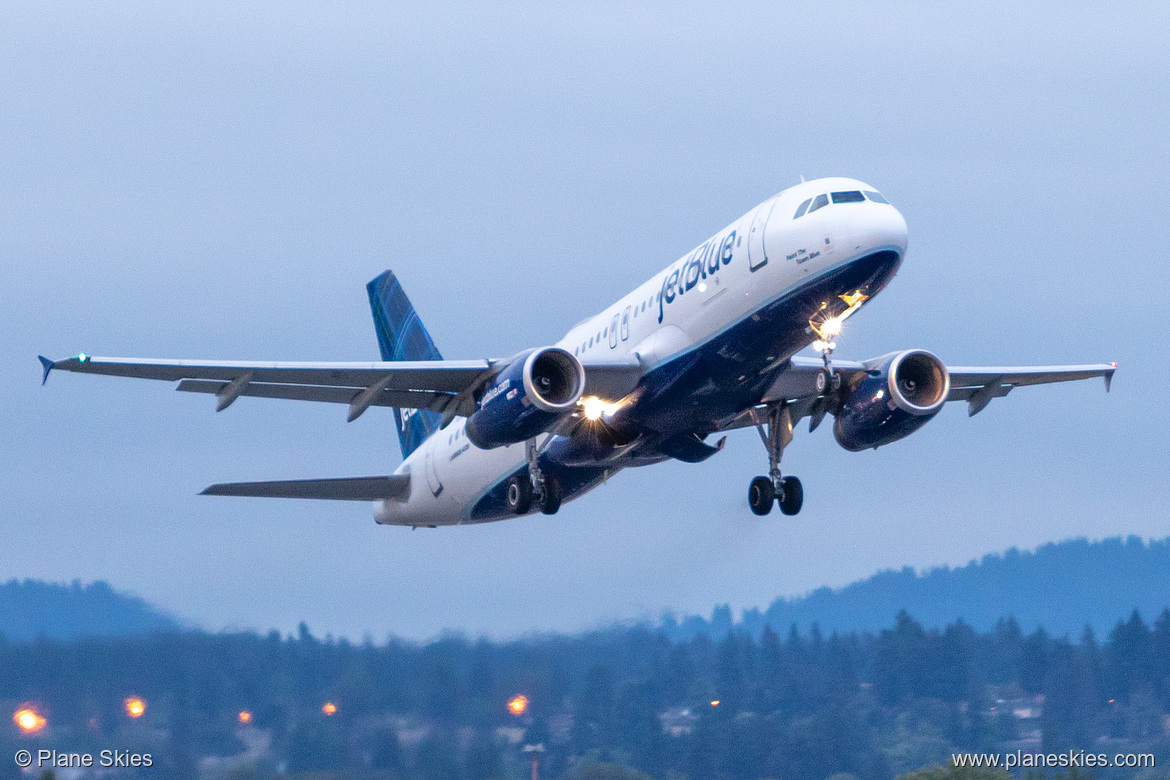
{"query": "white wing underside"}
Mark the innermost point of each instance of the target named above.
(444, 386)
(448, 387)
(977, 385)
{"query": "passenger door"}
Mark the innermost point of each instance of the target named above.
(432, 473)
(757, 250)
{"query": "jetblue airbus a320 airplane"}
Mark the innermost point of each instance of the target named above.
(705, 346)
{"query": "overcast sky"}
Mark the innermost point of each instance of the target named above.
(221, 181)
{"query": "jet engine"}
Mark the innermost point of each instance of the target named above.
(899, 395)
(527, 397)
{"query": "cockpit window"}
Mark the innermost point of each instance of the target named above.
(803, 207)
(819, 202)
(852, 196)
(876, 197)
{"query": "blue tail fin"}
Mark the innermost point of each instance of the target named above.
(401, 336)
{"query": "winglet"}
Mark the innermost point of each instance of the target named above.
(1109, 375)
(47, 365)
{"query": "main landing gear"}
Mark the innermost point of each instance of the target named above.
(524, 489)
(785, 491)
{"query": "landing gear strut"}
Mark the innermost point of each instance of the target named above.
(786, 491)
(536, 486)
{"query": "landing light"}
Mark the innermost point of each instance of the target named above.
(245, 717)
(134, 706)
(329, 708)
(595, 407)
(827, 327)
(518, 704)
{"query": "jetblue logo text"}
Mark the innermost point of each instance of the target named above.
(707, 259)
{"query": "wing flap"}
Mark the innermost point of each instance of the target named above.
(405, 399)
(395, 486)
(612, 377)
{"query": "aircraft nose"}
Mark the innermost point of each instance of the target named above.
(877, 226)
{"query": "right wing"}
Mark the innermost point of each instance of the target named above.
(448, 387)
(438, 385)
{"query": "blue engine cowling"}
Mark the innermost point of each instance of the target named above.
(527, 397)
(901, 393)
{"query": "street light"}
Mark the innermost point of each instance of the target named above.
(535, 750)
(29, 720)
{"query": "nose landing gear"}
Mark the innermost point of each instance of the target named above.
(774, 488)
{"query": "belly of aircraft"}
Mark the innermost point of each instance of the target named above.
(457, 483)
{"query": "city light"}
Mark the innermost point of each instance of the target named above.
(518, 704)
(29, 720)
(134, 706)
(329, 708)
(245, 717)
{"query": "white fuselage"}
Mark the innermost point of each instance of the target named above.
(755, 259)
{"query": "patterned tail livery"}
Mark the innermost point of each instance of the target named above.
(401, 336)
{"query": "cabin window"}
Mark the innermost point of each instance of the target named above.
(803, 207)
(819, 202)
(852, 196)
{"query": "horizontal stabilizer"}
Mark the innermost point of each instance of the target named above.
(342, 489)
(46, 366)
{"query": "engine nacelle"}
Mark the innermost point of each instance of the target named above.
(902, 393)
(527, 397)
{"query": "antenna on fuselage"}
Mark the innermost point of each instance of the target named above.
(802, 178)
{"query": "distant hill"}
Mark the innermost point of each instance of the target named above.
(1061, 586)
(32, 608)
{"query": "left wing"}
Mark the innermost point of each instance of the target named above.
(444, 386)
(974, 384)
(978, 385)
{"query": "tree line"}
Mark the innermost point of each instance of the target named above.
(799, 706)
